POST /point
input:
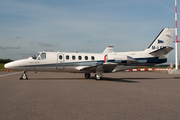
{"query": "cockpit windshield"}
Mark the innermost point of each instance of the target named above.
(35, 56)
(39, 56)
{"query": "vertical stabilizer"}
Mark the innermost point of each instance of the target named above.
(164, 39)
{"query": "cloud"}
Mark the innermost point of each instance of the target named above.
(45, 44)
(19, 37)
(7, 48)
(167, 6)
(89, 41)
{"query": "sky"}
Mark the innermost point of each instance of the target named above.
(30, 26)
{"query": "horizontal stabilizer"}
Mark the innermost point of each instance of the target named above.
(162, 51)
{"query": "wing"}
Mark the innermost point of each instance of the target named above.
(87, 68)
(105, 67)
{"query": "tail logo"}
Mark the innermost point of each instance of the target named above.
(160, 41)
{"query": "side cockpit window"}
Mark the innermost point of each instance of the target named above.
(43, 56)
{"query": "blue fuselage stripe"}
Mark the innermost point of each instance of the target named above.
(139, 62)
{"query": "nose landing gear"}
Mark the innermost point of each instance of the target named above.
(24, 76)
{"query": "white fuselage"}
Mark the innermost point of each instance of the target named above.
(74, 62)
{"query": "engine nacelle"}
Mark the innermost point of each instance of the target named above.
(124, 59)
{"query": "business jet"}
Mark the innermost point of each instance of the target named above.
(98, 63)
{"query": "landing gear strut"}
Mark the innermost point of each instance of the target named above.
(99, 73)
(24, 76)
(87, 75)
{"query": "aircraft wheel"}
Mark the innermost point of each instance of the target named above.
(87, 75)
(24, 76)
(97, 77)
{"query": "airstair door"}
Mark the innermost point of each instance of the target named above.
(60, 61)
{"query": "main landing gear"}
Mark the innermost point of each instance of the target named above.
(24, 76)
(87, 75)
(97, 76)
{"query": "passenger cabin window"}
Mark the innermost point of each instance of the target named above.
(73, 57)
(67, 57)
(60, 57)
(86, 57)
(92, 58)
(79, 57)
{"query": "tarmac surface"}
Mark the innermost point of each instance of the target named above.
(69, 96)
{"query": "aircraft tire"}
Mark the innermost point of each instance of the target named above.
(24, 77)
(87, 75)
(97, 77)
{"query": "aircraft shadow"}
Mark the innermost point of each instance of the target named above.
(56, 78)
(117, 80)
(126, 80)
(130, 80)
(92, 78)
